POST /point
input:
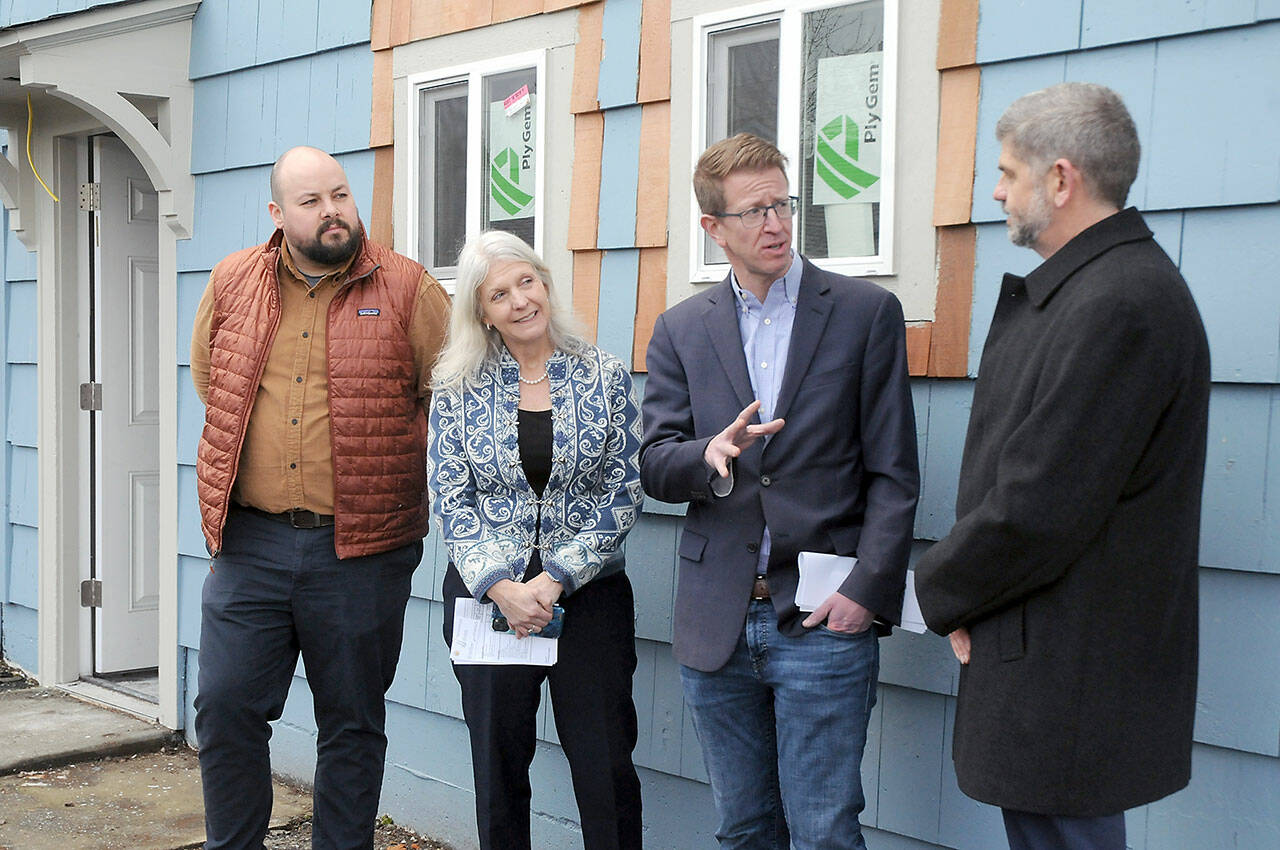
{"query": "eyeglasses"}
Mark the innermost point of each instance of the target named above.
(755, 216)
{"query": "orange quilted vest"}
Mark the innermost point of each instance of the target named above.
(378, 427)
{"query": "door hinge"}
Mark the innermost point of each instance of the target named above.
(91, 396)
(91, 593)
(90, 197)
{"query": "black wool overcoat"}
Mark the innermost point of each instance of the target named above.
(1073, 558)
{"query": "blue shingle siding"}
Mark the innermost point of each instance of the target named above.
(231, 34)
(19, 559)
(191, 574)
(1231, 802)
(942, 408)
(20, 629)
(21, 415)
(1215, 118)
(1016, 29)
(17, 12)
(1186, 97)
(248, 117)
(21, 337)
(190, 538)
(619, 270)
(620, 61)
(1109, 22)
(1238, 705)
(23, 482)
(619, 183)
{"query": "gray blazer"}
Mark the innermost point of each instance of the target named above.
(841, 477)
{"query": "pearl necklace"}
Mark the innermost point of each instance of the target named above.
(536, 380)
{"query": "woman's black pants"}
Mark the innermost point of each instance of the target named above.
(595, 719)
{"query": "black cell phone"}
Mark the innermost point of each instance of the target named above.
(550, 630)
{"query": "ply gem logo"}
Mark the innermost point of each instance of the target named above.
(504, 182)
(837, 156)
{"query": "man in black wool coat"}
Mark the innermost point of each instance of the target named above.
(1068, 584)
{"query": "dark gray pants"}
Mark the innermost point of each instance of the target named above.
(1030, 831)
(275, 592)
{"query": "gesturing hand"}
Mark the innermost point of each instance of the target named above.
(730, 442)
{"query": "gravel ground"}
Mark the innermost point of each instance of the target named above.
(387, 836)
(11, 679)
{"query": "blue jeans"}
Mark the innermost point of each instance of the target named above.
(782, 726)
(273, 592)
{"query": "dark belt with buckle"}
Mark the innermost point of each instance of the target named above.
(760, 590)
(296, 519)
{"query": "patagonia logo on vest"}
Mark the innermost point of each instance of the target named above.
(367, 311)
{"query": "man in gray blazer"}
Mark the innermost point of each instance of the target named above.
(777, 404)
(1069, 581)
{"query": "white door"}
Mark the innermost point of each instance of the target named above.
(126, 350)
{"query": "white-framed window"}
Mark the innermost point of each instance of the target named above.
(475, 157)
(816, 78)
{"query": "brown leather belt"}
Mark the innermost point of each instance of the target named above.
(297, 519)
(760, 590)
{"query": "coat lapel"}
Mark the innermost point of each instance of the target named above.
(813, 307)
(721, 320)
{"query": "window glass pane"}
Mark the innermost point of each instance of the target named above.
(841, 131)
(442, 170)
(742, 92)
(742, 82)
(510, 138)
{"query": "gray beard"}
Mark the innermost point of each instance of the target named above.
(1025, 232)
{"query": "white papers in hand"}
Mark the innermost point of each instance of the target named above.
(821, 575)
(475, 641)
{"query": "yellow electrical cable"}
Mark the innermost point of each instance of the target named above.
(29, 161)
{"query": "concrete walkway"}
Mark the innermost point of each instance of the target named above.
(75, 775)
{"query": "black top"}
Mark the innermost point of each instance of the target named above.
(535, 447)
(534, 428)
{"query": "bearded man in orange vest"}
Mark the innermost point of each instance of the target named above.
(313, 355)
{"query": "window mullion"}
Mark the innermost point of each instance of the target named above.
(408, 242)
(889, 104)
(476, 172)
(790, 65)
(540, 170)
(699, 48)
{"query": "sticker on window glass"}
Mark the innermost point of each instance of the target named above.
(516, 101)
(512, 140)
(850, 127)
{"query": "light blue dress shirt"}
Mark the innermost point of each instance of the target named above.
(766, 339)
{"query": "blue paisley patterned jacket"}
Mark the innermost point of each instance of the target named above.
(486, 509)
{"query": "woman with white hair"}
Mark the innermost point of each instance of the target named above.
(533, 473)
